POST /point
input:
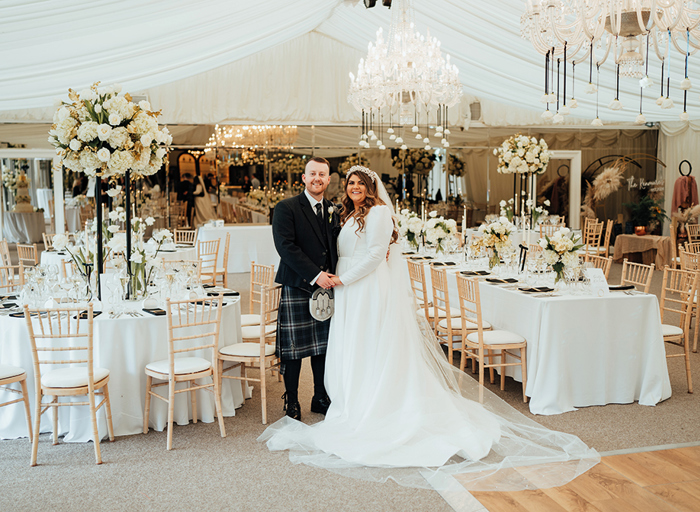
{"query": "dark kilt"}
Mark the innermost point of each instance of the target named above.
(299, 335)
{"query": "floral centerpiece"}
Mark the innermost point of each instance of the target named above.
(495, 238)
(456, 166)
(78, 201)
(10, 178)
(438, 230)
(419, 161)
(287, 164)
(102, 133)
(274, 197)
(539, 212)
(560, 251)
(410, 227)
(256, 197)
(352, 160)
(522, 154)
(507, 209)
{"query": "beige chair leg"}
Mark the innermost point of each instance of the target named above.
(55, 420)
(695, 335)
(490, 356)
(171, 409)
(503, 370)
(27, 409)
(193, 399)
(37, 427)
(243, 381)
(463, 359)
(147, 408)
(95, 433)
(523, 366)
(263, 392)
(108, 410)
(686, 350)
(217, 402)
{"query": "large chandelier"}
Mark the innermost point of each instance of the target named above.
(402, 79)
(626, 31)
(253, 137)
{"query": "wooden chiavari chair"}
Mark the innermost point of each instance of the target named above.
(5, 253)
(448, 326)
(208, 254)
(604, 263)
(416, 273)
(11, 278)
(548, 230)
(48, 241)
(692, 247)
(693, 231)
(677, 296)
(592, 235)
(58, 332)
(637, 274)
(185, 237)
(222, 272)
(486, 345)
(28, 255)
(260, 276)
(257, 349)
(9, 375)
(181, 366)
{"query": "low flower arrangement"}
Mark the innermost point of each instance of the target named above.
(521, 154)
(410, 227)
(495, 237)
(352, 160)
(507, 209)
(539, 212)
(256, 197)
(560, 251)
(438, 230)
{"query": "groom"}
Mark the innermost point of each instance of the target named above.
(305, 228)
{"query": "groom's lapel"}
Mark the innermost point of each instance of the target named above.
(311, 216)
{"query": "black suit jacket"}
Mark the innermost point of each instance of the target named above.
(300, 242)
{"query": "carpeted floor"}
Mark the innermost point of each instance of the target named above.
(207, 472)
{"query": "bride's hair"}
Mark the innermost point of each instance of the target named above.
(371, 199)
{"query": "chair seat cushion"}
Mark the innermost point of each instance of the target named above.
(247, 350)
(183, 365)
(250, 319)
(253, 331)
(71, 377)
(441, 314)
(671, 330)
(497, 338)
(7, 371)
(457, 323)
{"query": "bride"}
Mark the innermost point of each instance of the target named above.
(397, 406)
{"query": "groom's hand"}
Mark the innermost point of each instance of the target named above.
(325, 281)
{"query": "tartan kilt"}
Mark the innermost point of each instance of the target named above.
(299, 335)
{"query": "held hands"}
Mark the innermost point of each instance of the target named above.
(325, 280)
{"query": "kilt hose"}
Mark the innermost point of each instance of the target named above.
(299, 335)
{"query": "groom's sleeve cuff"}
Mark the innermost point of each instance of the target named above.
(313, 282)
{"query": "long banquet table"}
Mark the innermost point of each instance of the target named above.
(249, 242)
(124, 346)
(581, 350)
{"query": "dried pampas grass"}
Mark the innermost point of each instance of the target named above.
(687, 214)
(607, 182)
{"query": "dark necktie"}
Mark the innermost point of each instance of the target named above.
(319, 212)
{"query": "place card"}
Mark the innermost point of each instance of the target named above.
(220, 223)
(599, 285)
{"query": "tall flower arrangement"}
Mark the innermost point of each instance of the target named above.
(410, 227)
(522, 154)
(495, 237)
(100, 132)
(419, 161)
(352, 160)
(560, 251)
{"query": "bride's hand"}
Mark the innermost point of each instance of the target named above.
(336, 281)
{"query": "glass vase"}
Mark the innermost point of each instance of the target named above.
(494, 258)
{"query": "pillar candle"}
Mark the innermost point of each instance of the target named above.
(464, 221)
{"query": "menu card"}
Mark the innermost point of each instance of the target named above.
(599, 285)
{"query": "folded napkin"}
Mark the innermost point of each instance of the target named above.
(443, 263)
(475, 273)
(501, 281)
(621, 287)
(536, 289)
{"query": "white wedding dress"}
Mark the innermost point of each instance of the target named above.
(397, 406)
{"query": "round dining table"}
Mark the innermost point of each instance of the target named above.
(124, 346)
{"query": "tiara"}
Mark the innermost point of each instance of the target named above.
(368, 172)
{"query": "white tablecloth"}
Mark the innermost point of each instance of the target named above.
(73, 220)
(23, 228)
(43, 196)
(124, 346)
(581, 350)
(249, 242)
(180, 254)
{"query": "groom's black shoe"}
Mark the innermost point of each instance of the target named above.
(293, 409)
(320, 405)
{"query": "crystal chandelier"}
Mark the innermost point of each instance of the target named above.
(253, 137)
(577, 31)
(402, 79)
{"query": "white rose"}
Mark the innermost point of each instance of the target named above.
(551, 257)
(114, 216)
(502, 203)
(144, 105)
(146, 139)
(114, 192)
(137, 257)
(117, 242)
(112, 228)
(60, 242)
(115, 119)
(74, 145)
(433, 214)
(103, 154)
(87, 95)
(160, 152)
(543, 243)
(104, 131)
(150, 221)
(87, 131)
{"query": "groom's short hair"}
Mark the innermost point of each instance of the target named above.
(320, 160)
